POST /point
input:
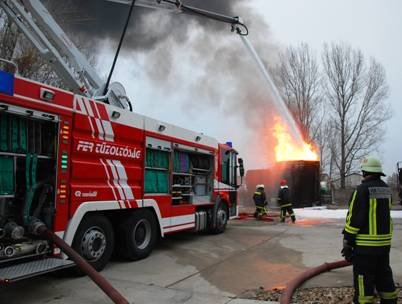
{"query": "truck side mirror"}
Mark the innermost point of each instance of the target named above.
(241, 167)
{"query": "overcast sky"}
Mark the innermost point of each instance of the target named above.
(374, 26)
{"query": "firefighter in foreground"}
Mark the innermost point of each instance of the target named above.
(368, 234)
(285, 202)
(400, 184)
(260, 201)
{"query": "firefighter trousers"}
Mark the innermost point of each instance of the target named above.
(260, 211)
(373, 272)
(287, 209)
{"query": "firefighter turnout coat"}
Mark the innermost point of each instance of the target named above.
(284, 197)
(260, 199)
(368, 223)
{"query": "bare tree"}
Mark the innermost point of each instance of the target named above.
(299, 80)
(8, 36)
(392, 181)
(323, 143)
(30, 64)
(17, 48)
(356, 94)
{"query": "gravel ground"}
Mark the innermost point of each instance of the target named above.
(321, 295)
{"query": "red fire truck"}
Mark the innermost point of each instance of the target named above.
(97, 174)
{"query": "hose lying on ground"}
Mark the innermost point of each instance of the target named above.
(310, 273)
(249, 216)
(107, 288)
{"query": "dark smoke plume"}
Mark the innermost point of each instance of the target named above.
(96, 20)
(230, 81)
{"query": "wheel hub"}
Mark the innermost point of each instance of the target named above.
(142, 234)
(93, 244)
(221, 218)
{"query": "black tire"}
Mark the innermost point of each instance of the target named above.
(94, 241)
(136, 235)
(222, 217)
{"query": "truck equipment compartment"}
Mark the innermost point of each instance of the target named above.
(28, 158)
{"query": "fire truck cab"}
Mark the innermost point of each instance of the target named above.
(103, 178)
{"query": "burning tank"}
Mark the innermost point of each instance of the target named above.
(303, 178)
(296, 161)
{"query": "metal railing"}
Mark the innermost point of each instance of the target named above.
(7, 64)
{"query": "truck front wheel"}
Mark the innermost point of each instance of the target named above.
(136, 235)
(94, 240)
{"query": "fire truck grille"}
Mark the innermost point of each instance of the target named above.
(22, 271)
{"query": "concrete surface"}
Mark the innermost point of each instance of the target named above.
(193, 269)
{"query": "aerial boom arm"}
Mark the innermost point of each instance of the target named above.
(237, 24)
(35, 21)
(179, 7)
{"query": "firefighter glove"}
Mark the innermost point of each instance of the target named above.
(347, 251)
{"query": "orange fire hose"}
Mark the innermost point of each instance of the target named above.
(107, 288)
(300, 279)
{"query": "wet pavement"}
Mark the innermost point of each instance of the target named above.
(194, 268)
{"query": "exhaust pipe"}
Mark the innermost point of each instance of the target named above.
(39, 228)
(300, 279)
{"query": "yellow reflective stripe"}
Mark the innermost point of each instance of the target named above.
(351, 230)
(374, 237)
(258, 193)
(373, 243)
(361, 285)
(287, 205)
(366, 299)
(375, 216)
(349, 216)
(389, 295)
(371, 217)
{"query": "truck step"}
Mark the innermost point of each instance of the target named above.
(14, 273)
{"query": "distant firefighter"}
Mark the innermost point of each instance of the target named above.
(285, 201)
(260, 201)
(400, 185)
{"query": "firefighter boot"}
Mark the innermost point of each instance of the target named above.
(293, 217)
(389, 297)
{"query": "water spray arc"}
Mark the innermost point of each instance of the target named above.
(273, 90)
(238, 27)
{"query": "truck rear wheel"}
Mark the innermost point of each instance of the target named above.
(94, 240)
(136, 235)
(222, 217)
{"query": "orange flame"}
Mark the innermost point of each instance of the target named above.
(288, 148)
